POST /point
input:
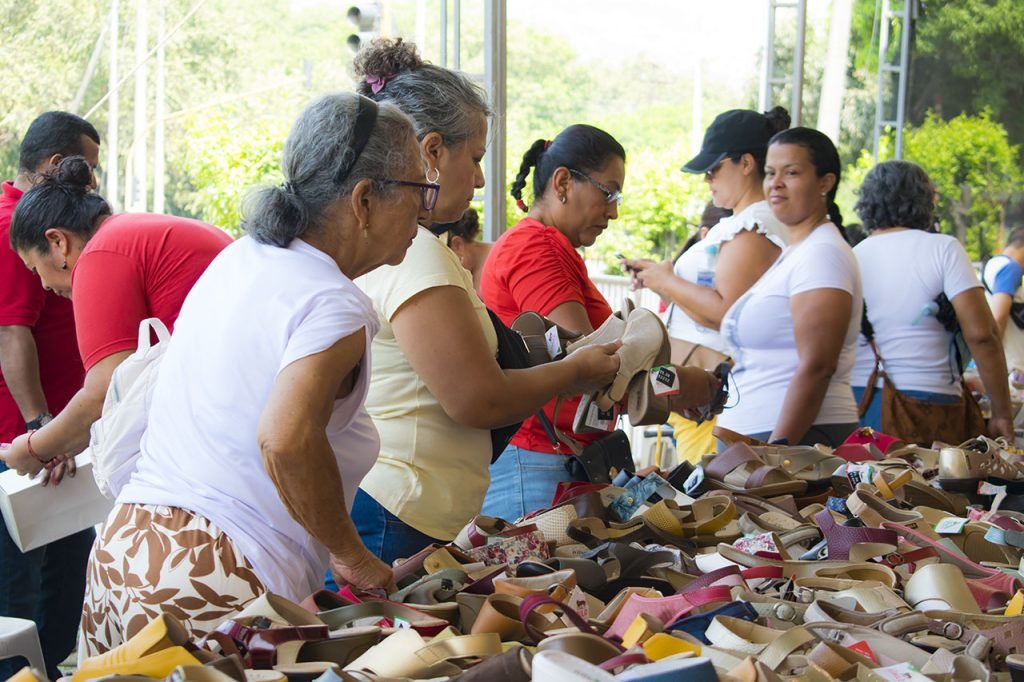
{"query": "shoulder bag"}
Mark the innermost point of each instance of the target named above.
(919, 421)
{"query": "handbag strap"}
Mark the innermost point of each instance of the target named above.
(867, 330)
(558, 437)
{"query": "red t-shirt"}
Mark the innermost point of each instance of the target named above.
(49, 316)
(137, 265)
(534, 267)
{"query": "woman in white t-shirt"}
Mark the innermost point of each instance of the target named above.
(793, 334)
(258, 435)
(896, 205)
(709, 277)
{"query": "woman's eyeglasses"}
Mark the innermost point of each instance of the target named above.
(613, 196)
(429, 190)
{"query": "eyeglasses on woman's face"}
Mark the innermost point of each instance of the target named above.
(612, 196)
(429, 190)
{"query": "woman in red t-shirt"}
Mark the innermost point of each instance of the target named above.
(118, 270)
(577, 187)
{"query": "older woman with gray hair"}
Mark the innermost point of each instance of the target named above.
(258, 436)
(905, 268)
(437, 388)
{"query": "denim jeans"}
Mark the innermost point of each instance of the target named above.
(46, 585)
(383, 533)
(873, 416)
(523, 481)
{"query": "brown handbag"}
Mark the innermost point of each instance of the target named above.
(688, 354)
(919, 421)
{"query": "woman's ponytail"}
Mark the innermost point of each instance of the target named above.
(530, 160)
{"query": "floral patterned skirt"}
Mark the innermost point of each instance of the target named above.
(152, 559)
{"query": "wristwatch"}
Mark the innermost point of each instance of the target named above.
(39, 422)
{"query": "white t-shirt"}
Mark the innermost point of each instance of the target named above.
(903, 271)
(255, 310)
(759, 331)
(759, 217)
(1002, 275)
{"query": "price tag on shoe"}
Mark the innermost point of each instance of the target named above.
(665, 380)
(986, 488)
(554, 343)
(577, 601)
(694, 480)
(951, 525)
(863, 649)
(602, 420)
(901, 672)
(859, 473)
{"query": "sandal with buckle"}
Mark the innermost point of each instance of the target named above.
(738, 469)
(803, 463)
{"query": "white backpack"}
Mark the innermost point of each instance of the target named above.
(116, 437)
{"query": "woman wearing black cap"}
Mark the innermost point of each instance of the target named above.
(708, 279)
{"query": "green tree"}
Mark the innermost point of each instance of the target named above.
(969, 57)
(974, 167)
(225, 155)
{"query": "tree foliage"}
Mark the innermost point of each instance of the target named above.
(974, 169)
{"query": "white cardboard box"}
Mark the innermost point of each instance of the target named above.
(36, 515)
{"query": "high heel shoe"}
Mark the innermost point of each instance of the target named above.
(644, 343)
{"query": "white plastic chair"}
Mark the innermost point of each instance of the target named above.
(19, 637)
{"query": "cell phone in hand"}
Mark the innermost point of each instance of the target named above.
(718, 403)
(624, 266)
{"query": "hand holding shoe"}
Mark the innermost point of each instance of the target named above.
(365, 572)
(595, 367)
(698, 388)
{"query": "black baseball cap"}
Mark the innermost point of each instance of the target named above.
(735, 131)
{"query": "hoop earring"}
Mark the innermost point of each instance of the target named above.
(65, 265)
(437, 175)
(563, 198)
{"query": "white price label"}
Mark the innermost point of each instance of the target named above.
(665, 380)
(554, 343)
(602, 420)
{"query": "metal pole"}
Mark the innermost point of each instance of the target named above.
(834, 81)
(110, 176)
(764, 100)
(90, 68)
(140, 182)
(697, 114)
(444, 33)
(798, 62)
(883, 51)
(421, 23)
(159, 113)
(901, 95)
(457, 35)
(495, 49)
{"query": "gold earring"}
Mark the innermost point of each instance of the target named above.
(562, 198)
(437, 175)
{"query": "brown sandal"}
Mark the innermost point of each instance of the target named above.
(740, 470)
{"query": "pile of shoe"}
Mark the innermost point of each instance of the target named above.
(875, 562)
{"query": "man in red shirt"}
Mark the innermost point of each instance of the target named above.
(40, 370)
